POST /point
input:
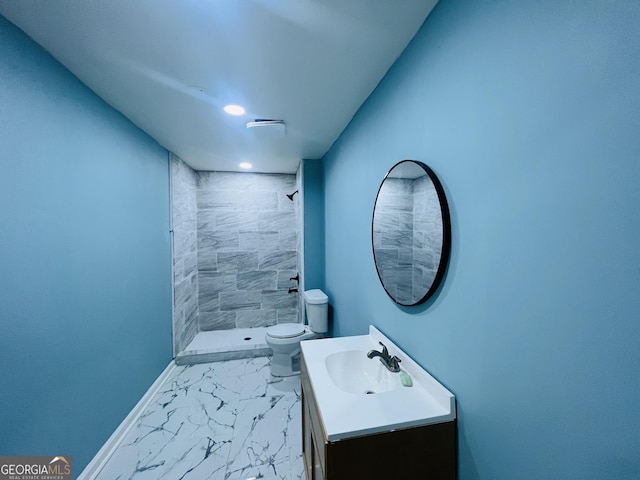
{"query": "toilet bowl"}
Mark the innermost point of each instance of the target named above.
(284, 339)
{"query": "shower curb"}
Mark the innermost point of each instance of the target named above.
(195, 357)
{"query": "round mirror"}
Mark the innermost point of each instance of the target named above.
(411, 233)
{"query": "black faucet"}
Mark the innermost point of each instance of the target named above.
(390, 362)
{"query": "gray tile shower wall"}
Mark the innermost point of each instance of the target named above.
(185, 256)
(246, 243)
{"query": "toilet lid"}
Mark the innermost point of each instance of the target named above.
(286, 330)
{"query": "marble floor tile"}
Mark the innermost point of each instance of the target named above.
(216, 421)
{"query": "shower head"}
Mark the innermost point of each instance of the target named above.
(290, 197)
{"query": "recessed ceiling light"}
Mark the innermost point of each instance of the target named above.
(234, 110)
(245, 165)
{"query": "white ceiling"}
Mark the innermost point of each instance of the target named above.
(171, 65)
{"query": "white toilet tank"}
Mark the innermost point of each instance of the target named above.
(317, 308)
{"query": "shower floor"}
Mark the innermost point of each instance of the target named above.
(220, 345)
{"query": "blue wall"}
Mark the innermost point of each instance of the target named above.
(313, 191)
(85, 296)
(529, 114)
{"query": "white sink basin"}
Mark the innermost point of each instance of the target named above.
(341, 375)
(353, 372)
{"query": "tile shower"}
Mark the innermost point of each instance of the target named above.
(236, 246)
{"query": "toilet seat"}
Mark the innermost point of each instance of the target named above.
(286, 330)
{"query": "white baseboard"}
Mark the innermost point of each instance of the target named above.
(104, 454)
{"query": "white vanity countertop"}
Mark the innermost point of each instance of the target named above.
(347, 415)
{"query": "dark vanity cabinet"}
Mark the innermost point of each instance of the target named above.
(423, 452)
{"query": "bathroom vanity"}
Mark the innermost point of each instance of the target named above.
(361, 421)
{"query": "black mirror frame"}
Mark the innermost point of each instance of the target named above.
(446, 234)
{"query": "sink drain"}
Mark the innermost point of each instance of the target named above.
(369, 392)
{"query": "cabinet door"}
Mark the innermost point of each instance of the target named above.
(313, 439)
(312, 458)
(307, 440)
(318, 474)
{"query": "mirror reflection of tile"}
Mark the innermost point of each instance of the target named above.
(407, 236)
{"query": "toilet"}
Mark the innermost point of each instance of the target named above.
(284, 339)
